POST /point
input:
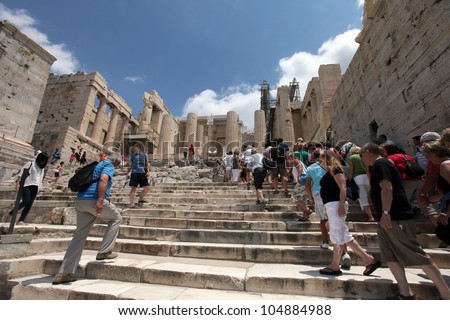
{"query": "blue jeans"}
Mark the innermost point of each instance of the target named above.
(29, 193)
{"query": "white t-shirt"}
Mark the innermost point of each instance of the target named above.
(227, 161)
(36, 174)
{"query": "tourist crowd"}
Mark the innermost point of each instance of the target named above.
(392, 187)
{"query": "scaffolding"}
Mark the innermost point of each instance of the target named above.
(294, 93)
(267, 104)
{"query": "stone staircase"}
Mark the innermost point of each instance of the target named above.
(199, 241)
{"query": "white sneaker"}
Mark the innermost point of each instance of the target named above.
(346, 262)
(324, 245)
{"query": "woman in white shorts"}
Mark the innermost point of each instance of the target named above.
(333, 194)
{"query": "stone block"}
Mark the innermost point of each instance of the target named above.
(64, 216)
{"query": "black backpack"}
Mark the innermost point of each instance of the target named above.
(268, 164)
(278, 153)
(83, 177)
(413, 169)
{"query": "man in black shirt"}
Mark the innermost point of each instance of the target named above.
(279, 172)
(396, 225)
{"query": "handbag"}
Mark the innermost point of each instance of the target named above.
(352, 190)
(413, 169)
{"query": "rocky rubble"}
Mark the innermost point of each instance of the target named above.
(164, 174)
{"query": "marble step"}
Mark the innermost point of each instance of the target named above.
(56, 238)
(249, 277)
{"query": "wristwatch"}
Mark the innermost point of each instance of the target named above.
(385, 212)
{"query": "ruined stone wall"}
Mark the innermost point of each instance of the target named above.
(314, 113)
(24, 68)
(398, 82)
(65, 104)
(80, 103)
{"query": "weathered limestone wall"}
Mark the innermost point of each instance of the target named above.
(313, 116)
(398, 82)
(83, 103)
(24, 68)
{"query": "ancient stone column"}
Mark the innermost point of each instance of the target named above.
(199, 137)
(210, 124)
(166, 138)
(232, 131)
(96, 134)
(260, 129)
(124, 126)
(111, 133)
(285, 123)
(191, 128)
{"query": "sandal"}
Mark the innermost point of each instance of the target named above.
(370, 268)
(330, 272)
(399, 296)
(304, 217)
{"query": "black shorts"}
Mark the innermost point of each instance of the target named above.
(138, 180)
(259, 175)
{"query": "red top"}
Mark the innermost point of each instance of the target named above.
(399, 161)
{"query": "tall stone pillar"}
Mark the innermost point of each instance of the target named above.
(166, 138)
(191, 128)
(111, 133)
(232, 131)
(199, 137)
(124, 126)
(96, 134)
(260, 129)
(210, 124)
(285, 122)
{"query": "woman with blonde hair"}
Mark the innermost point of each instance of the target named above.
(334, 195)
(445, 137)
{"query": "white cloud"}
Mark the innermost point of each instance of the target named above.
(305, 65)
(243, 99)
(134, 78)
(66, 61)
(360, 3)
(301, 65)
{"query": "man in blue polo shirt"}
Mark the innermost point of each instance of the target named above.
(138, 173)
(91, 204)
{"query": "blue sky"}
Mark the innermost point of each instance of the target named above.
(203, 56)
